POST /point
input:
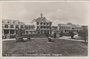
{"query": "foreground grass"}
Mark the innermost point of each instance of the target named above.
(41, 46)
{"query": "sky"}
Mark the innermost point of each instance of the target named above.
(57, 12)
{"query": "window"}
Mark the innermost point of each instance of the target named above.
(47, 23)
(11, 31)
(37, 23)
(44, 27)
(31, 32)
(6, 31)
(6, 26)
(41, 31)
(17, 26)
(26, 32)
(41, 27)
(11, 26)
(44, 23)
(37, 27)
(41, 23)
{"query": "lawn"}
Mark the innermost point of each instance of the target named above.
(41, 46)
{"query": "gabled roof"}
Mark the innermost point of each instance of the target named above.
(41, 19)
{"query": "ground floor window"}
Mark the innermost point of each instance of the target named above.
(26, 32)
(11, 31)
(6, 31)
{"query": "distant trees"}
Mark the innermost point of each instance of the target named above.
(20, 32)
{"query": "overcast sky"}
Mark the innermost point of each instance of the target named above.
(57, 12)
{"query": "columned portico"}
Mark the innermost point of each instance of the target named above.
(9, 32)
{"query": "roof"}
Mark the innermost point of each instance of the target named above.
(41, 19)
(8, 21)
(69, 25)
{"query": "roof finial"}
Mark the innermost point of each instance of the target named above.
(41, 15)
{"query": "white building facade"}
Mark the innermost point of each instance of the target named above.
(42, 25)
(65, 28)
(9, 27)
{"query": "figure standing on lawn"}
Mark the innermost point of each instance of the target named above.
(72, 34)
(54, 35)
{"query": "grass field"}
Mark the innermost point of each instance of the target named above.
(41, 46)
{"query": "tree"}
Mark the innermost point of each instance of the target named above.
(83, 33)
(71, 34)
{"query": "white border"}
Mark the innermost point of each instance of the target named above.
(40, 57)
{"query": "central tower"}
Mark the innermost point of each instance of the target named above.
(41, 15)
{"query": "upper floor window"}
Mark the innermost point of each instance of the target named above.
(47, 23)
(6, 26)
(44, 23)
(41, 23)
(26, 32)
(37, 27)
(41, 27)
(37, 23)
(11, 26)
(11, 31)
(44, 27)
(17, 26)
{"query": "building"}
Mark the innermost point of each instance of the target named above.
(54, 29)
(65, 28)
(42, 25)
(85, 27)
(9, 27)
(30, 29)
